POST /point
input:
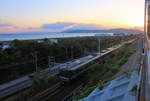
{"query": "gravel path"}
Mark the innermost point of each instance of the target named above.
(134, 60)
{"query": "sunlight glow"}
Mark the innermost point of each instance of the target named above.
(22, 14)
(137, 21)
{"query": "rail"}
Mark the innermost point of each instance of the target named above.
(48, 92)
(4, 92)
(69, 97)
(10, 90)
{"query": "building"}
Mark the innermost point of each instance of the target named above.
(53, 40)
(48, 40)
(5, 46)
(104, 34)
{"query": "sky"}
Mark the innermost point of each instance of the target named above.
(58, 15)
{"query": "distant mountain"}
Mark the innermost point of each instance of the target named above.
(119, 30)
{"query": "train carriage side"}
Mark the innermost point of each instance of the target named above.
(147, 50)
(67, 75)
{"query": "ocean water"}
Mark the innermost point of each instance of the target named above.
(9, 37)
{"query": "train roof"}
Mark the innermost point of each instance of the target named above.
(91, 59)
(76, 67)
(74, 64)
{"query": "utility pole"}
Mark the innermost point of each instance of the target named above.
(84, 51)
(72, 52)
(67, 53)
(121, 39)
(63, 35)
(51, 61)
(36, 66)
(99, 46)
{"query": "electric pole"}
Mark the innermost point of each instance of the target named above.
(84, 51)
(67, 53)
(72, 52)
(99, 47)
(36, 66)
(51, 61)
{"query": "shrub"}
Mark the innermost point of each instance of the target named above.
(101, 73)
(100, 84)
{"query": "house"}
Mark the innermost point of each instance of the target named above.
(5, 46)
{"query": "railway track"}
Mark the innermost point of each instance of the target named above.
(18, 85)
(22, 84)
(48, 92)
(12, 89)
(58, 91)
(63, 92)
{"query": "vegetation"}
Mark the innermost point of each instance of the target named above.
(134, 88)
(19, 58)
(103, 71)
(43, 83)
(39, 85)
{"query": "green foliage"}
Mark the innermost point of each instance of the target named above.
(39, 84)
(42, 83)
(102, 71)
(83, 92)
(21, 54)
(134, 88)
(100, 84)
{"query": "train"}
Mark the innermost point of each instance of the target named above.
(76, 68)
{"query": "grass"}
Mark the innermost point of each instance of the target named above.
(102, 71)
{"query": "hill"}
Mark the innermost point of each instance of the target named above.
(121, 30)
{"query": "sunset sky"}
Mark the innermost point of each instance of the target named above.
(58, 15)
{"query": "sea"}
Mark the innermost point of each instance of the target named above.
(27, 36)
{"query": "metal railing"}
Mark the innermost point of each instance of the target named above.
(143, 92)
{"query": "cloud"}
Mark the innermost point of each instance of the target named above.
(33, 28)
(53, 27)
(57, 25)
(5, 25)
(17, 29)
(60, 26)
